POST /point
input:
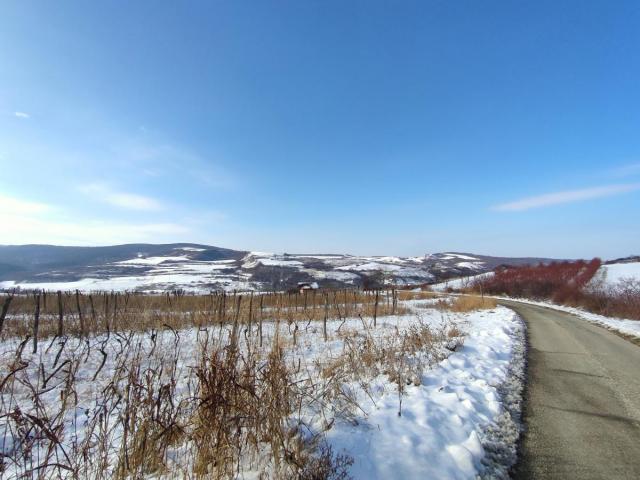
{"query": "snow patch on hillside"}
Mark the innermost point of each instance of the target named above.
(471, 265)
(453, 256)
(371, 266)
(153, 260)
(610, 275)
(459, 283)
(332, 275)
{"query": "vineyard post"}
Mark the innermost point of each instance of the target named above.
(36, 323)
(115, 310)
(375, 308)
(261, 314)
(346, 307)
(314, 304)
(237, 318)
(234, 330)
(326, 314)
(250, 311)
(60, 314)
(80, 316)
(224, 307)
(279, 296)
(106, 312)
(394, 294)
(93, 312)
(5, 308)
(126, 302)
(335, 303)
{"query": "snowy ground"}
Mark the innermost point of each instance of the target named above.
(159, 280)
(610, 275)
(458, 421)
(450, 423)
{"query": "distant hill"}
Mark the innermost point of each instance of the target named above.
(629, 259)
(23, 262)
(196, 267)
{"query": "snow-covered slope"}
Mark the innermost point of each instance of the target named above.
(202, 268)
(459, 283)
(612, 274)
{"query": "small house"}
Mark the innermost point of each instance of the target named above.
(304, 287)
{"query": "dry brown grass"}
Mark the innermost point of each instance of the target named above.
(421, 295)
(469, 303)
(76, 314)
(240, 413)
(235, 406)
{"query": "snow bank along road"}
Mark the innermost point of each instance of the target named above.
(582, 413)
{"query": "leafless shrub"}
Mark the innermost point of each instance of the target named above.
(236, 405)
(622, 299)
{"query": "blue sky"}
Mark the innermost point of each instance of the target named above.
(507, 128)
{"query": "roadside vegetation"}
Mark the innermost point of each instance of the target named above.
(211, 386)
(567, 283)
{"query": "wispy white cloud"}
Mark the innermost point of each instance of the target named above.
(133, 201)
(16, 206)
(130, 201)
(33, 222)
(33, 229)
(22, 115)
(568, 196)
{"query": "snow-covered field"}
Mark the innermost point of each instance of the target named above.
(455, 416)
(610, 275)
(188, 279)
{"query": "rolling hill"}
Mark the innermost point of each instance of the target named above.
(196, 267)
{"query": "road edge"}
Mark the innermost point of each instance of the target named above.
(502, 440)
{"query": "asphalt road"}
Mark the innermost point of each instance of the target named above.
(582, 411)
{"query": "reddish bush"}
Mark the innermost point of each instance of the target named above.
(620, 300)
(558, 281)
(565, 282)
